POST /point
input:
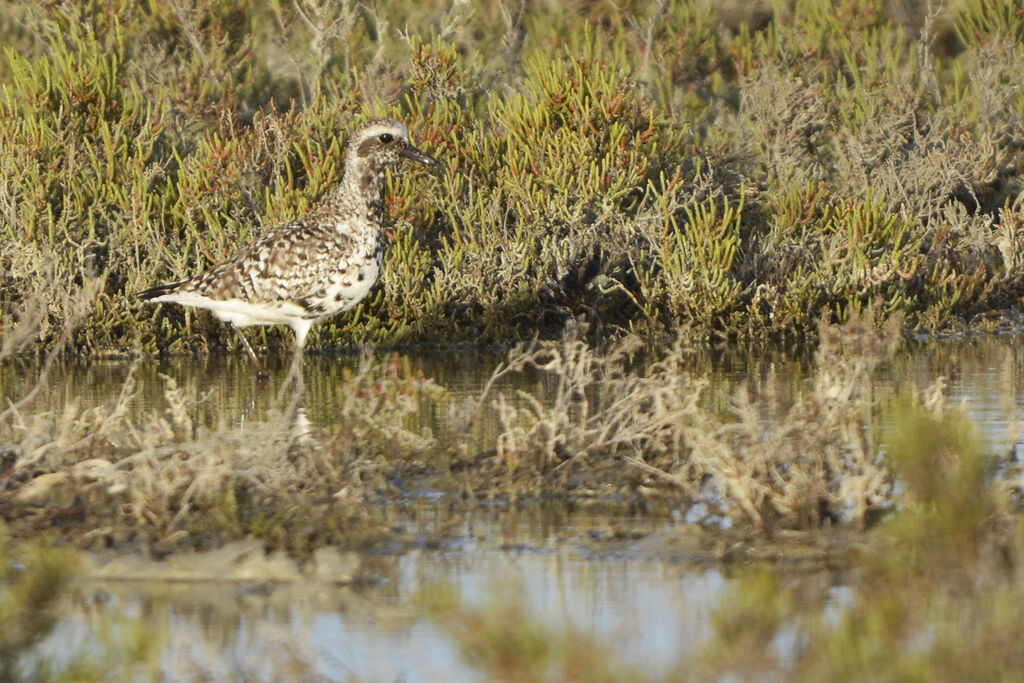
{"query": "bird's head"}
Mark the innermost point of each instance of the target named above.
(380, 143)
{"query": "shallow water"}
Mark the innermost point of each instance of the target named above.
(653, 610)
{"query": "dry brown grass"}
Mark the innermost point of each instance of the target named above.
(163, 481)
(622, 426)
(613, 421)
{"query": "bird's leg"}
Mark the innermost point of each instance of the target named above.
(261, 372)
(295, 370)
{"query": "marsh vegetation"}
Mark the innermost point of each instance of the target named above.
(669, 168)
(623, 185)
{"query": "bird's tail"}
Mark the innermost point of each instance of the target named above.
(159, 291)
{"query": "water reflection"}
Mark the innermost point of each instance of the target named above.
(224, 388)
(656, 612)
(650, 608)
(985, 373)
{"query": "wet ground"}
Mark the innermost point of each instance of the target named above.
(627, 580)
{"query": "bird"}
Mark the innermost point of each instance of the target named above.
(315, 266)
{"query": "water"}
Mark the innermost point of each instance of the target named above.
(652, 608)
(655, 611)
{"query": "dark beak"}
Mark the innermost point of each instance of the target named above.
(413, 154)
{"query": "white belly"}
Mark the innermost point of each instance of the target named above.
(349, 290)
(244, 313)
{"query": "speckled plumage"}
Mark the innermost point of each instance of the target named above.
(315, 266)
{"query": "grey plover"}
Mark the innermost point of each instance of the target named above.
(315, 266)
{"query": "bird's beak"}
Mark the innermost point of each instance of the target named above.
(413, 154)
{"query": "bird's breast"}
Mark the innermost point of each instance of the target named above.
(350, 285)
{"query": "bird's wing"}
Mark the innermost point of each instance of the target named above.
(287, 264)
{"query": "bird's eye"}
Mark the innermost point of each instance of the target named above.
(386, 138)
